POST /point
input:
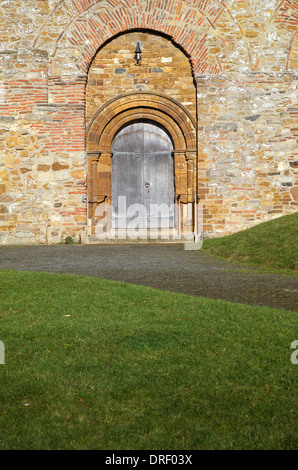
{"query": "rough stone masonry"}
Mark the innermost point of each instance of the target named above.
(230, 66)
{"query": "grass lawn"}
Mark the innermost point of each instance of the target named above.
(270, 244)
(94, 364)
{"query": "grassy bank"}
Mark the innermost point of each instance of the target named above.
(271, 244)
(94, 364)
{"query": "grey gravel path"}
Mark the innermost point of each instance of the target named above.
(167, 267)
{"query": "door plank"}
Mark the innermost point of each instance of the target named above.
(143, 170)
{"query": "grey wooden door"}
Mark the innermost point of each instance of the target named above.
(143, 174)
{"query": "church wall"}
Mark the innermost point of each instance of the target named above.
(243, 60)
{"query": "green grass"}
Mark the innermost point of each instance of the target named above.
(94, 364)
(270, 244)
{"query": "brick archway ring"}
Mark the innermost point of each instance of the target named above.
(111, 117)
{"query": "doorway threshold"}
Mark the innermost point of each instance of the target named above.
(92, 240)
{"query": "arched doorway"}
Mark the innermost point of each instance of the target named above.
(143, 176)
(147, 123)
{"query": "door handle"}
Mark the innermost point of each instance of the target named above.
(147, 185)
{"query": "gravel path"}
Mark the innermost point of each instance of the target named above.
(167, 267)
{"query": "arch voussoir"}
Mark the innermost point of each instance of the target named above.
(134, 106)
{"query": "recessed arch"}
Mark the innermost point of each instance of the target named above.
(141, 106)
(124, 110)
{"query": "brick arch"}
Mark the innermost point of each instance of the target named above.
(88, 24)
(285, 16)
(141, 106)
(81, 27)
(293, 53)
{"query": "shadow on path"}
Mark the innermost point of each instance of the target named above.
(166, 267)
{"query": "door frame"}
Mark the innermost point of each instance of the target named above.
(139, 106)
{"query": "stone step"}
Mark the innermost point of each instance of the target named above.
(118, 241)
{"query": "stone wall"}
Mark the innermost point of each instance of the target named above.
(248, 149)
(240, 55)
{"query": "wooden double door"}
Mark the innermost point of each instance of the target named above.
(143, 177)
